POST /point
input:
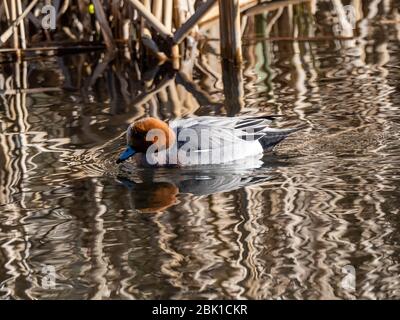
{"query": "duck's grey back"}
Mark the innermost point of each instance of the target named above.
(228, 130)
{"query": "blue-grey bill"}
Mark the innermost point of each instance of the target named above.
(129, 152)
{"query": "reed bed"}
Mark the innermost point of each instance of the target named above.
(90, 23)
(161, 29)
(131, 63)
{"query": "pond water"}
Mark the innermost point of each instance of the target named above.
(316, 219)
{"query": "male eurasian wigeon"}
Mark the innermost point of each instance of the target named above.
(200, 140)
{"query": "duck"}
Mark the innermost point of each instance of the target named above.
(201, 140)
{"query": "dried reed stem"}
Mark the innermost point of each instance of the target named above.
(182, 32)
(105, 28)
(157, 9)
(21, 25)
(151, 19)
(230, 31)
(14, 29)
(11, 29)
(168, 12)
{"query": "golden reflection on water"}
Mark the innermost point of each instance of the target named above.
(282, 228)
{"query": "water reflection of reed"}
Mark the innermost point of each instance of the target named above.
(334, 203)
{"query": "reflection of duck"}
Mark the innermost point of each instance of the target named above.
(148, 197)
(157, 190)
(201, 140)
(152, 197)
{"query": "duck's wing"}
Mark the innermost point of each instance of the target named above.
(223, 130)
(239, 123)
(208, 138)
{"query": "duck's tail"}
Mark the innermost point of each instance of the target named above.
(273, 136)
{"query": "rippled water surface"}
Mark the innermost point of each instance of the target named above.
(287, 226)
